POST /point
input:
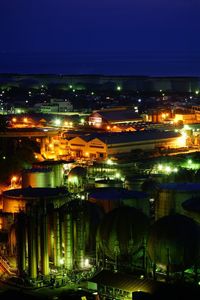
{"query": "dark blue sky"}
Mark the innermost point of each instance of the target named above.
(158, 37)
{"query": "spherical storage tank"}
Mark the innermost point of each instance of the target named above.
(37, 177)
(122, 231)
(77, 179)
(174, 242)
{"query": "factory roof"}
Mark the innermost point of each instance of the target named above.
(128, 137)
(185, 186)
(124, 282)
(112, 193)
(119, 115)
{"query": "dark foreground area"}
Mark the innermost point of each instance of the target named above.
(170, 292)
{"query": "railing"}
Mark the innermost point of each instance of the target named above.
(4, 264)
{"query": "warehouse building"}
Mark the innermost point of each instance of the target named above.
(103, 145)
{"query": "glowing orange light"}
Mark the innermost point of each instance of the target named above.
(14, 178)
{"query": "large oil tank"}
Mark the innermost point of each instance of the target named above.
(173, 242)
(112, 197)
(15, 200)
(57, 168)
(122, 232)
(171, 196)
(37, 177)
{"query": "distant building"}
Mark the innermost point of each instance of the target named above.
(103, 118)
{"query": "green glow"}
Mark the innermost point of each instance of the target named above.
(197, 92)
(70, 86)
(119, 88)
(189, 161)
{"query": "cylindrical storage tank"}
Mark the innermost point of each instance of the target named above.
(12, 204)
(103, 183)
(57, 168)
(111, 197)
(125, 228)
(68, 241)
(171, 196)
(85, 217)
(58, 172)
(44, 244)
(80, 240)
(32, 244)
(57, 238)
(37, 178)
(173, 243)
(21, 242)
(15, 200)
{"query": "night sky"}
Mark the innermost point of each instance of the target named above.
(133, 37)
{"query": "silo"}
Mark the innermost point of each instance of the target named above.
(171, 196)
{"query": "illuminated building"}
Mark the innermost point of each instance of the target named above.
(103, 145)
(103, 118)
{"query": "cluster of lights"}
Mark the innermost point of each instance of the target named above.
(166, 169)
(59, 123)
